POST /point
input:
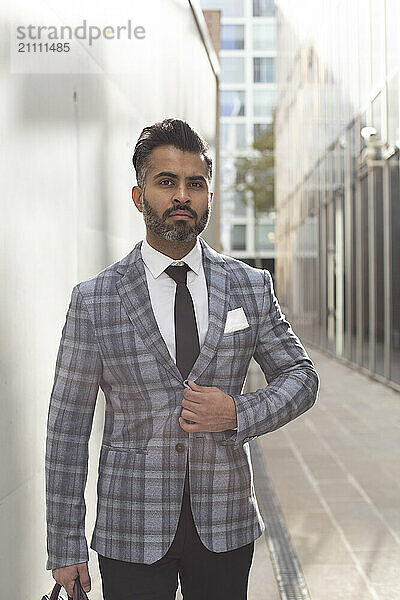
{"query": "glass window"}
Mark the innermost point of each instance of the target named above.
(263, 69)
(263, 103)
(228, 171)
(239, 204)
(379, 277)
(233, 136)
(393, 112)
(355, 267)
(392, 35)
(232, 69)
(265, 236)
(394, 224)
(378, 42)
(264, 36)
(263, 8)
(365, 267)
(377, 114)
(238, 237)
(232, 103)
(232, 37)
(364, 72)
(229, 8)
(259, 129)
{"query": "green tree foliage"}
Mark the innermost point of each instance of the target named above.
(255, 174)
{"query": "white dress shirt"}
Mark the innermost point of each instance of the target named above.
(162, 291)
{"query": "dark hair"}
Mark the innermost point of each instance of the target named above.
(170, 132)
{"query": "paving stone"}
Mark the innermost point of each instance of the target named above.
(339, 490)
(381, 566)
(335, 582)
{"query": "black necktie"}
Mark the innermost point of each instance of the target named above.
(187, 345)
(186, 336)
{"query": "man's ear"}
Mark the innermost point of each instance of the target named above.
(137, 197)
(211, 196)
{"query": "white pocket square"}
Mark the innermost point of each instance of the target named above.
(235, 320)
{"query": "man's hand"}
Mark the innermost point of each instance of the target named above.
(209, 407)
(66, 576)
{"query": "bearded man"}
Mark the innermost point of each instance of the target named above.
(168, 333)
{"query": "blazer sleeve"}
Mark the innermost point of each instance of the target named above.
(73, 398)
(293, 382)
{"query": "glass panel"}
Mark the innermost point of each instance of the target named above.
(379, 283)
(395, 271)
(377, 114)
(232, 37)
(393, 111)
(330, 276)
(228, 171)
(365, 272)
(392, 35)
(232, 69)
(340, 287)
(364, 73)
(263, 8)
(238, 237)
(233, 136)
(259, 129)
(264, 36)
(239, 204)
(263, 69)
(232, 103)
(314, 275)
(263, 103)
(229, 8)
(378, 42)
(355, 305)
(265, 236)
(354, 265)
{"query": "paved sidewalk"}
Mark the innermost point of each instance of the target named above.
(335, 471)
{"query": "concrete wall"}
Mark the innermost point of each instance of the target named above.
(66, 213)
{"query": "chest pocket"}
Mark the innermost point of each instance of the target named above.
(237, 340)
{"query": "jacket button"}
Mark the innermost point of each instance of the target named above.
(180, 447)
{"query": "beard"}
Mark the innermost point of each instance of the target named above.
(179, 231)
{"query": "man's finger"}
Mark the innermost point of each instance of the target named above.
(199, 388)
(84, 576)
(189, 427)
(189, 415)
(191, 395)
(69, 587)
(190, 404)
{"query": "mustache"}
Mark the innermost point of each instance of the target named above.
(177, 211)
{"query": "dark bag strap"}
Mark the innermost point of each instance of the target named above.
(79, 594)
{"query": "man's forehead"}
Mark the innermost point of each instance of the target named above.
(168, 158)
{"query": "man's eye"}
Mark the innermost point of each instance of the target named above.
(197, 183)
(164, 180)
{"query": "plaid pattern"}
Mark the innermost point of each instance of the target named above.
(110, 339)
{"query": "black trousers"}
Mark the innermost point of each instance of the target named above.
(204, 575)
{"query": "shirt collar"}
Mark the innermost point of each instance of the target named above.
(157, 262)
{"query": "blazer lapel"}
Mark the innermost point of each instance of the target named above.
(218, 285)
(134, 294)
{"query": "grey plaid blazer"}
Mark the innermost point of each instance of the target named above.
(111, 339)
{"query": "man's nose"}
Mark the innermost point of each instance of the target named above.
(181, 195)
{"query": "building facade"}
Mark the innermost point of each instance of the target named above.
(247, 100)
(337, 178)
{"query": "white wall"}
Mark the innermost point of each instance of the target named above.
(66, 213)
